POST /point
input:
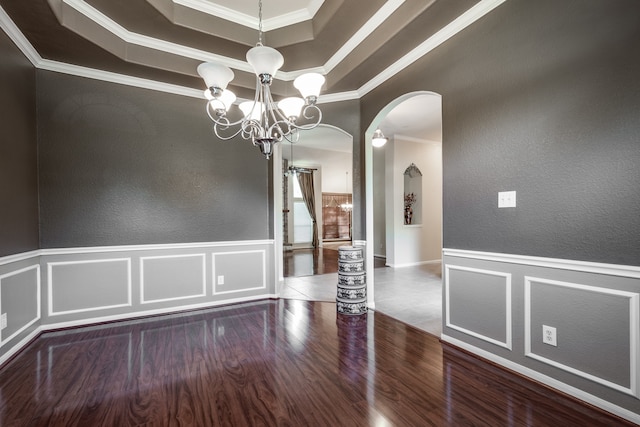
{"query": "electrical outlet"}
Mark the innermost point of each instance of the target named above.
(3, 321)
(220, 280)
(549, 335)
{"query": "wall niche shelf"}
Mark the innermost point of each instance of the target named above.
(412, 195)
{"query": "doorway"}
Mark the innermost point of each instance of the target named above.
(325, 153)
(404, 211)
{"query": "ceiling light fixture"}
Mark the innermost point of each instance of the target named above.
(378, 139)
(264, 122)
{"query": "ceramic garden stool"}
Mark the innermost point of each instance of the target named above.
(352, 289)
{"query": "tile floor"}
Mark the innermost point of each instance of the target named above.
(410, 294)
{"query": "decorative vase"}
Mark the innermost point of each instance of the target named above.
(408, 215)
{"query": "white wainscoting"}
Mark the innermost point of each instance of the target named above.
(249, 274)
(35, 290)
(507, 321)
(88, 285)
(100, 284)
(558, 292)
(184, 276)
(634, 316)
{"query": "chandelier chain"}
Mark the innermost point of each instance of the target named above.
(259, 22)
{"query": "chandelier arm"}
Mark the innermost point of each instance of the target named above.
(278, 121)
(279, 129)
(222, 137)
(221, 123)
(312, 125)
(220, 119)
(251, 129)
(312, 107)
(293, 136)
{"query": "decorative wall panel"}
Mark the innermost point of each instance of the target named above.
(239, 271)
(588, 319)
(88, 285)
(19, 301)
(479, 303)
(172, 277)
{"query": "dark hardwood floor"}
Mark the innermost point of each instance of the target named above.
(268, 363)
(309, 262)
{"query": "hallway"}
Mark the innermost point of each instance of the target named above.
(412, 295)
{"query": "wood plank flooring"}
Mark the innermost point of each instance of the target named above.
(309, 262)
(268, 363)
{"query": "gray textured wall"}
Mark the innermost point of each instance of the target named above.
(542, 98)
(120, 165)
(18, 162)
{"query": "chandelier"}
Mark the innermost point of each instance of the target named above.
(263, 121)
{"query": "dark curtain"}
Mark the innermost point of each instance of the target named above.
(309, 196)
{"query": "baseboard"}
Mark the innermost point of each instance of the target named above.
(546, 380)
(147, 313)
(415, 264)
(25, 342)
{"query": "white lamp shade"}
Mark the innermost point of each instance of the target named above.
(251, 112)
(215, 75)
(264, 60)
(291, 106)
(309, 84)
(378, 139)
(226, 97)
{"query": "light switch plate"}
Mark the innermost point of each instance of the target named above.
(507, 199)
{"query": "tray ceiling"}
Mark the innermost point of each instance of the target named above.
(352, 42)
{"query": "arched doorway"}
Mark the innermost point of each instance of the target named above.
(326, 151)
(406, 173)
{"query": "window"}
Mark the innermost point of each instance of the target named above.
(302, 224)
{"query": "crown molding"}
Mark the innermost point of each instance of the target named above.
(365, 31)
(100, 19)
(92, 73)
(337, 97)
(16, 36)
(268, 24)
(14, 33)
(399, 136)
(108, 24)
(453, 28)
